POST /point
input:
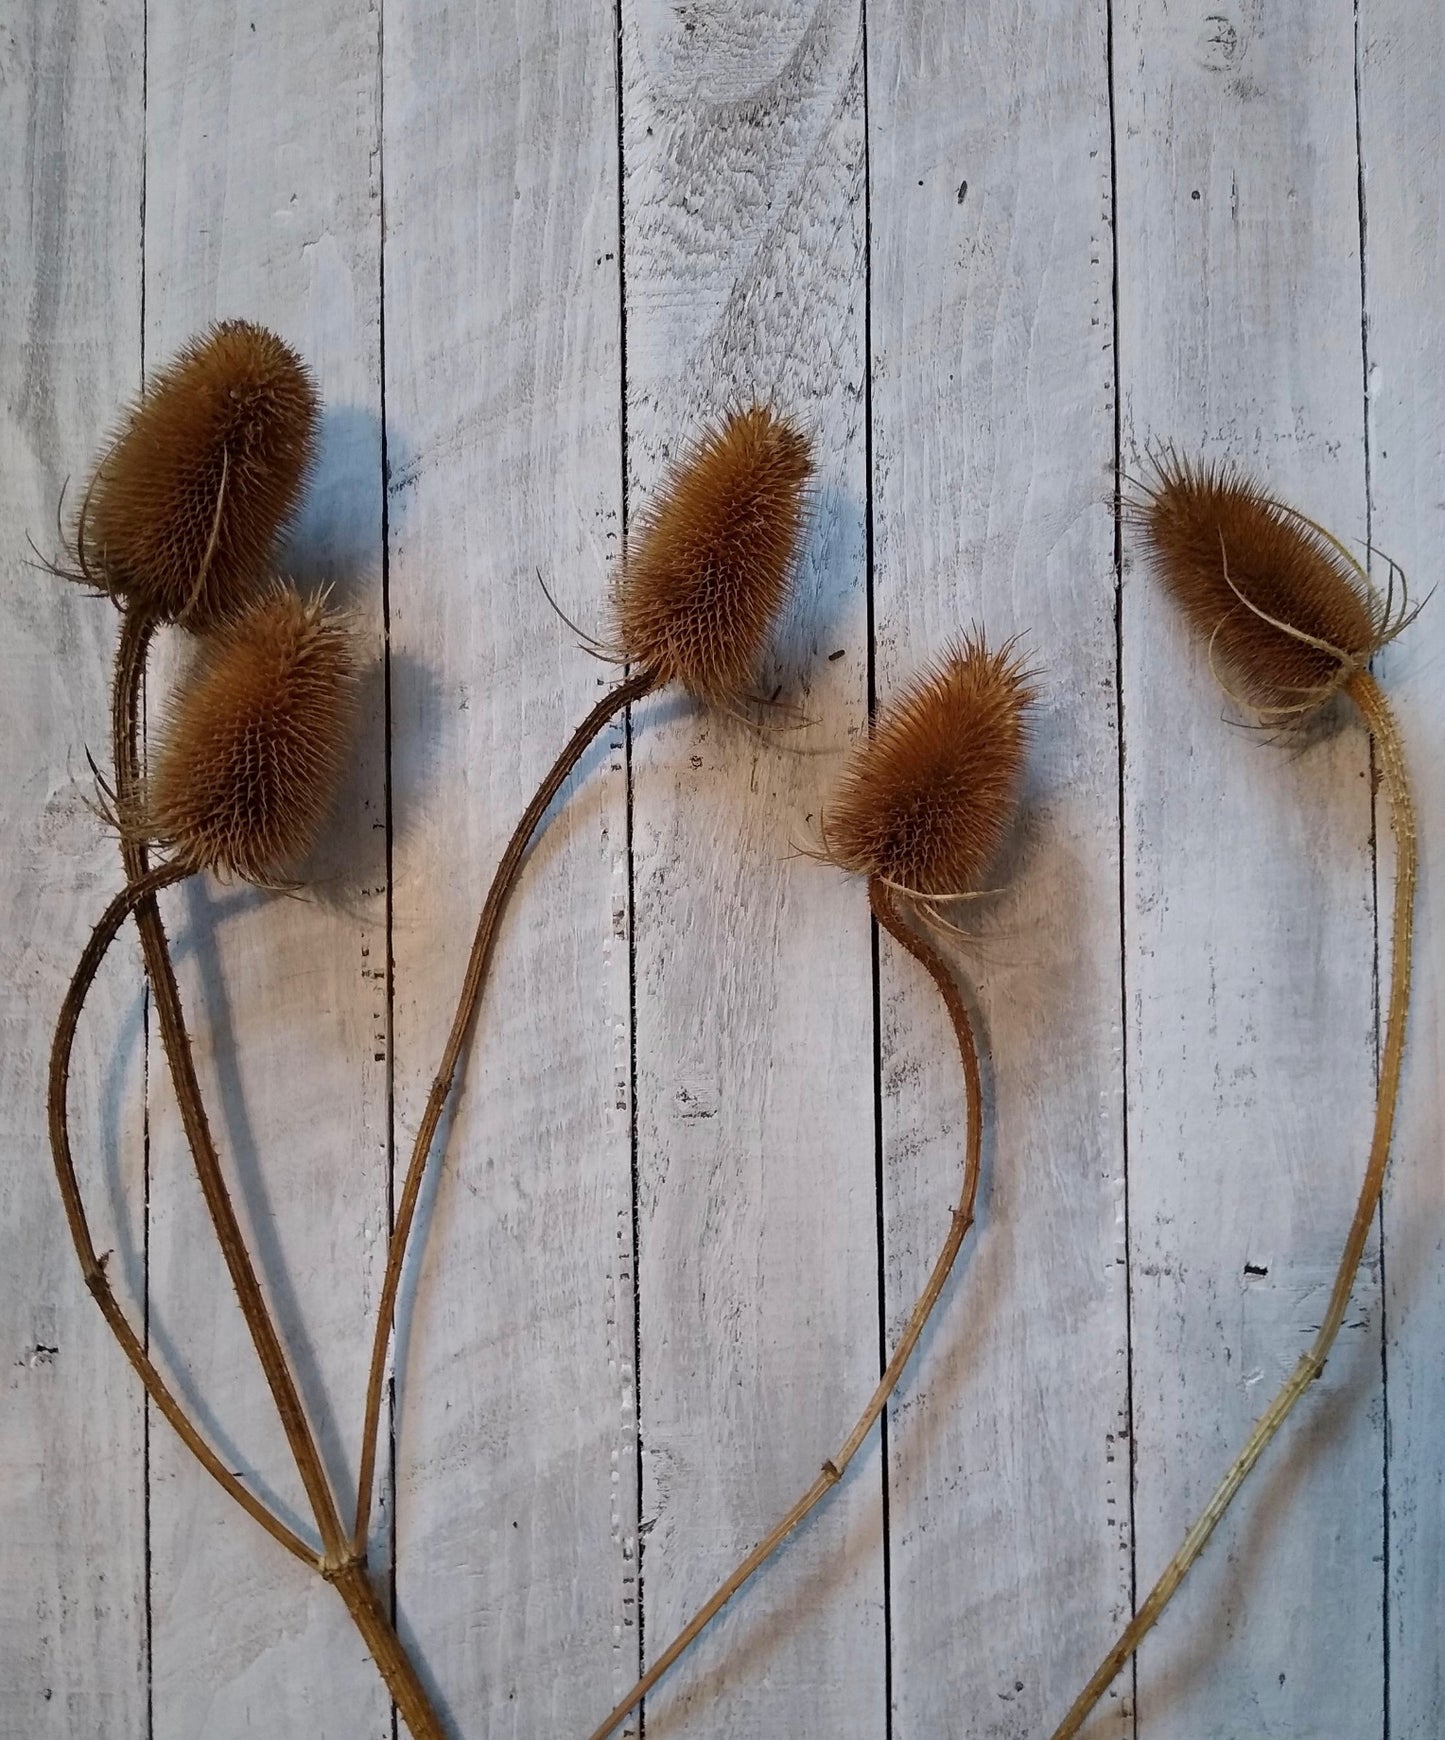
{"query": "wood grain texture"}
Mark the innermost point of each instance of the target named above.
(757, 1275)
(1248, 912)
(72, 1472)
(263, 200)
(516, 1449)
(1402, 140)
(602, 226)
(993, 444)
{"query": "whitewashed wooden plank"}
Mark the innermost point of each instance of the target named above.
(72, 1477)
(993, 446)
(1248, 914)
(1402, 145)
(263, 201)
(516, 1456)
(744, 230)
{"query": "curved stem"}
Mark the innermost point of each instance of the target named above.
(885, 910)
(136, 632)
(1374, 708)
(503, 882)
(91, 1264)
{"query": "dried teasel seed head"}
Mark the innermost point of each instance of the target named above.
(1287, 612)
(708, 568)
(926, 803)
(183, 512)
(254, 739)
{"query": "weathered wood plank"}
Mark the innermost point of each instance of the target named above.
(72, 1481)
(1248, 913)
(993, 445)
(263, 200)
(1402, 144)
(1248, 900)
(744, 228)
(516, 1473)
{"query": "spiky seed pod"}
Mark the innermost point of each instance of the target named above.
(254, 739)
(1287, 612)
(183, 512)
(926, 803)
(708, 568)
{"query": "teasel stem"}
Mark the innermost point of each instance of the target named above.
(371, 1619)
(882, 899)
(92, 1266)
(1368, 697)
(130, 669)
(633, 688)
(337, 1562)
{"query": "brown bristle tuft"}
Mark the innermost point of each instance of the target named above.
(182, 515)
(708, 568)
(255, 739)
(927, 801)
(1287, 613)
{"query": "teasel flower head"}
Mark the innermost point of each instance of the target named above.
(254, 739)
(709, 564)
(181, 516)
(926, 803)
(1287, 612)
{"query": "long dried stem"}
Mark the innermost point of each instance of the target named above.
(885, 910)
(503, 882)
(1375, 709)
(338, 1563)
(92, 1266)
(136, 632)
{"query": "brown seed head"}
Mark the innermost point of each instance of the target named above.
(708, 568)
(1287, 613)
(184, 509)
(927, 801)
(255, 739)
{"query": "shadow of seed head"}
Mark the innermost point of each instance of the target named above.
(1286, 611)
(254, 739)
(926, 803)
(182, 514)
(708, 567)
